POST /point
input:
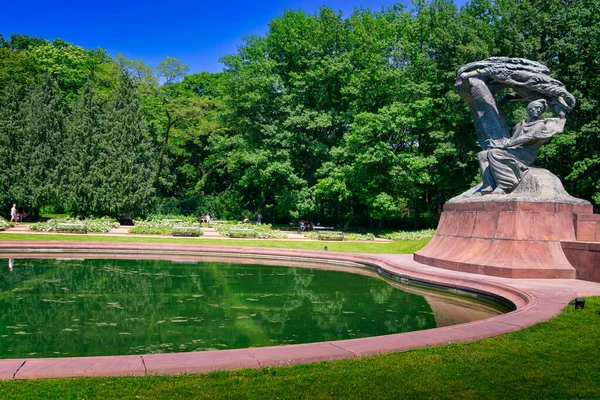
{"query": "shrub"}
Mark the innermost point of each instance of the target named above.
(4, 224)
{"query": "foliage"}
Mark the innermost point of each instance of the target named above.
(4, 225)
(104, 224)
(346, 120)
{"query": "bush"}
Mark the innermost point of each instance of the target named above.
(4, 224)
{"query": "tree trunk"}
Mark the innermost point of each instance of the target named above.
(417, 214)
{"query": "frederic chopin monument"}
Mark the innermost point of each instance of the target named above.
(512, 223)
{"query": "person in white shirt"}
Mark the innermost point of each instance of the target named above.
(13, 214)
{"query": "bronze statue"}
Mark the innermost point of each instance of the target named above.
(505, 159)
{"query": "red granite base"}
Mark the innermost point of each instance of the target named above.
(585, 257)
(587, 227)
(508, 239)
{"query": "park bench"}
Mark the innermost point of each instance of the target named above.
(71, 228)
(323, 228)
(241, 232)
(186, 231)
(330, 235)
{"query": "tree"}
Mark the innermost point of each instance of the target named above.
(172, 70)
(79, 171)
(123, 173)
(10, 123)
(37, 143)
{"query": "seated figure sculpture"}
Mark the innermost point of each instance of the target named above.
(508, 159)
(487, 86)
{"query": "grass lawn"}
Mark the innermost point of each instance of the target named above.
(558, 359)
(403, 247)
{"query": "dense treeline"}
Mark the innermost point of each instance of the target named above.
(346, 120)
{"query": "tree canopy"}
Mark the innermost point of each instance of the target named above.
(349, 120)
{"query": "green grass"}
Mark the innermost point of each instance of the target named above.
(558, 359)
(402, 247)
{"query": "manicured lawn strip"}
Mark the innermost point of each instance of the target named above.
(558, 359)
(403, 247)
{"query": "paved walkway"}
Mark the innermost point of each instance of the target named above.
(534, 300)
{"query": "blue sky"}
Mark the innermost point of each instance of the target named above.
(198, 32)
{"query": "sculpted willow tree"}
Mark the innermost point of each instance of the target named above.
(506, 160)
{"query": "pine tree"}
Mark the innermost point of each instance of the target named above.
(83, 134)
(125, 163)
(39, 148)
(10, 126)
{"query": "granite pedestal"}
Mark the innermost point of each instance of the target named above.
(513, 239)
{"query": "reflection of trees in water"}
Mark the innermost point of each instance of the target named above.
(382, 294)
(120, 306)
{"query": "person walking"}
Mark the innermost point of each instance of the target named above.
(13, 215)
(259, 218)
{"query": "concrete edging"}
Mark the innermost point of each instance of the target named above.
(534, 300)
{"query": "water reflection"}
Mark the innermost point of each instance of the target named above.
(105, 307)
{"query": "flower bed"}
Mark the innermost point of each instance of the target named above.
(4, 224)
(408, 235)
(187, 231)
(164, 225)
(263, 231)
(104, 224)
(347, 235)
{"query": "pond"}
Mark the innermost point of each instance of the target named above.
(71, 307)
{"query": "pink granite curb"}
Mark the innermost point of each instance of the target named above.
(535, 300)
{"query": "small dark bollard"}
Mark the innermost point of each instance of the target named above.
(579, 303)
(325, 248)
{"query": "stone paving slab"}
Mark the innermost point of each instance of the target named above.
(536, 300)
(81, 366)
(299, 354)
(8, 368)
(198, 362)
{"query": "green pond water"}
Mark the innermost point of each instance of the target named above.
(57, 308)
